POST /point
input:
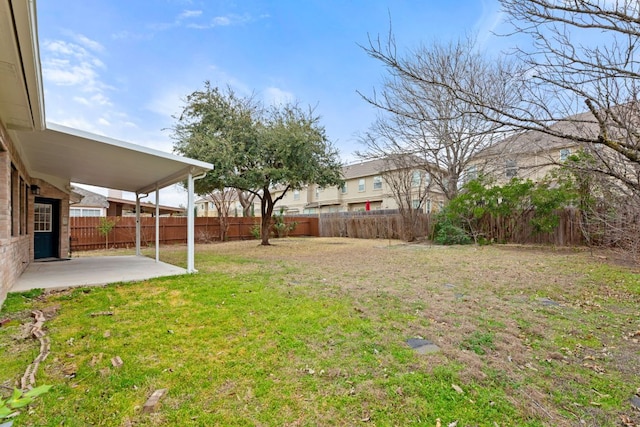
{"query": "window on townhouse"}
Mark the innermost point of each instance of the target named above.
(415, 204)
(564, 154)
(296, 194)
(377, 183)
(361, 186)
(343, 189)
(428, 206)
(318, 189)
(511, 168)
(416, 177)
(471, 173)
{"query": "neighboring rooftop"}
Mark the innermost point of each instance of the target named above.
(536, 141)
(91, 199)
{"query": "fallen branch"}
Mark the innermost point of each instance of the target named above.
(29, 377)
(102, 313)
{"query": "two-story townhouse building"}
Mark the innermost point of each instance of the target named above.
(533, 154)
(366, 187)
(205, 207)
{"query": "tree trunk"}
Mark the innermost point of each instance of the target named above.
(266, 208)
(247, 203)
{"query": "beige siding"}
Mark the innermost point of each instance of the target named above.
(312, 199)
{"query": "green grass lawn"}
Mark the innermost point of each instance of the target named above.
(294, 335)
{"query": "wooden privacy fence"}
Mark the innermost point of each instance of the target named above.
(173, 230)
(518, 229)
(371, 225)
(388, 225)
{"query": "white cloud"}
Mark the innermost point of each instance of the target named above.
(189, 14)
(81, 100)
(277, 96)
(168, 102)
(490, 19)
(103, 121)
(88, 43)
(77, 122)
(128, 35)
(101, 99)
(221, 21)
(69, 64)
(226, 21)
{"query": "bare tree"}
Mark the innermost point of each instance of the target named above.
(222, 200)
(421, 114)
(410, 187)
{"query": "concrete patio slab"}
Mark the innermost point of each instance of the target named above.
(92, 271)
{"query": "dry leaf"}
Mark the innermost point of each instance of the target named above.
(438, 424)
(457, 389)
(627, 422)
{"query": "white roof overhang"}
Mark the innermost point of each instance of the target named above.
(86, 158)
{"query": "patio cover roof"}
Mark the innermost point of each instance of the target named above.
(87, 158)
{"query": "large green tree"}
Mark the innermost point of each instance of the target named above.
(265, 151)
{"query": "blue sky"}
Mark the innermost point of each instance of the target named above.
(120, 68)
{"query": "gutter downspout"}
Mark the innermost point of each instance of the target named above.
(191, 222)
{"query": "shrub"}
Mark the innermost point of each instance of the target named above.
(447, 233)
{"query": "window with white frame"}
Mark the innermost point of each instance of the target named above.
(564, 154)
(343, 189)
(415, 204)
(361, 186)
(296, 194)
(42, 217)
(85, 212)
(428, 206)
(377, 182)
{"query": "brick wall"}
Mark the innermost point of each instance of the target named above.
(15, 249)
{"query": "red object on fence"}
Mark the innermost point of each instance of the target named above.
(367, 206)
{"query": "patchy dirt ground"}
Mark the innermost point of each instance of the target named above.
(552, 324)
